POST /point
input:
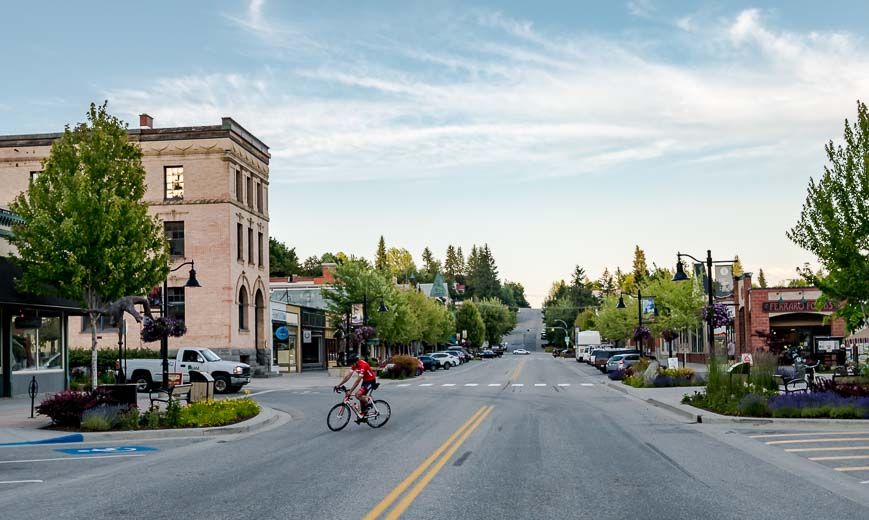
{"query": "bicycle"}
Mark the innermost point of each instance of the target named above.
(339, 415)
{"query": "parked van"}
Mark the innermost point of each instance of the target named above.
(586, 341)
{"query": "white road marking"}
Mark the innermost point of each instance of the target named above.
(20, 481)
(586, 384)
(518, 384)
(563, 384)
(865, 482)
(92, 457)
(264, 392)
(448, 384)
(425, 384)
(495, 384)
(539, 384)
(404, 384)
(471, 384)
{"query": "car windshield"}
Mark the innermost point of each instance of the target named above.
(209, 355)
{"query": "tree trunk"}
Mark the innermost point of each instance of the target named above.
(93, 317)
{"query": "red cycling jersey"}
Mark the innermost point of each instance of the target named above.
(364, 369)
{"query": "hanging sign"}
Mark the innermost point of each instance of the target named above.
(282, 333)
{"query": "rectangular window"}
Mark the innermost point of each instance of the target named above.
(33, 176)
(260, 249)
(175, 302)
(249, 192)
(239, 186)
(240, 241)
(103, 324)
(265, 200)
(175, 237)
(37, 342)
(259, 198)
(174, 177)
(250, 245)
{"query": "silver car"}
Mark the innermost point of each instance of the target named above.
(621, 361)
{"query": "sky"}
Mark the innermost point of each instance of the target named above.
(560, 133)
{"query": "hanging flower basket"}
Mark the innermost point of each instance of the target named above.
(669, 335)
(156, 330)
(642, 334)
(720, 317)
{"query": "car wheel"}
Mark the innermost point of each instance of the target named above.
(142, 381)
(418, 371)
(221, 384)
(447, 365)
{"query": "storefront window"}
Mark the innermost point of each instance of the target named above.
(37, 342)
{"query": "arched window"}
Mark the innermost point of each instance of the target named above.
(242, 309)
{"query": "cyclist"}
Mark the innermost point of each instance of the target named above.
(366, 376)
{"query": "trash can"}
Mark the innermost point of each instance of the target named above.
(202, 386)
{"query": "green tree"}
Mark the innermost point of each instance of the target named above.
(518, 294)
(380, 261)
(312, 266)
(87, 235)
(738, 270)
(451, 265)
(400, 264)
(482, 274)
(607, 283)
(761, 279)
(613, 323)
(468, 319)
(834, 222)
(641, 270)
(586, 320)
(283, 261)
(498, 319)
(430, 267)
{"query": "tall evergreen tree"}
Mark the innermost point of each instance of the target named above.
(380, 261)
(607, 284)
(460, 262)
(641, 270)
(738, 270)
(451, 265)
(430, 266)
(761, 279)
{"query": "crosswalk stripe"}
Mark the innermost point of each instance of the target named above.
(517, 384)
(425, 384)
(539, 384)
(563, 384)
(586, 384)
(495, 384)
(448, 384)
(471, 384)
(852, 468)
(404, 384)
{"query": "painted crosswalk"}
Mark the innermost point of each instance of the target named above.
(490, 385)
(841, 451)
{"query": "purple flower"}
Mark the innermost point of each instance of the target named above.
(719, 315)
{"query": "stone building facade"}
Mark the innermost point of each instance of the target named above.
(209, 186)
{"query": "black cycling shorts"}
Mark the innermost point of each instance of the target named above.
(366, 387)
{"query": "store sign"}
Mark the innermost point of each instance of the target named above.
(796, 306)
(282, 333)
(306, 336)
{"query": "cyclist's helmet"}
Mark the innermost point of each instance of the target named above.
(352, 358)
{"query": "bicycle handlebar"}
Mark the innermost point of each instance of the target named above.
(339, 389)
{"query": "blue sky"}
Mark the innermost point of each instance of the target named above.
(561, 133)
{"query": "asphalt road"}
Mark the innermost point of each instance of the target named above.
(529, 324)
(517, 437)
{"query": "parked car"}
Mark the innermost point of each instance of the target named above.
(428, 363)
(463, 355)
(229, 376)
(621, 361)
(521, 352)
(488, 354)
(446, 360)
(602, 356)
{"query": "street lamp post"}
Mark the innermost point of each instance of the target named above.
(680, 276)
(164, 341)
(621, 305)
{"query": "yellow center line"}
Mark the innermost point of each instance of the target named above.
(842, 457)
(853, 468)
(518, 369)
(395, 493)
(417, 489)
(803, 441)
(837, 448)
(772, 435)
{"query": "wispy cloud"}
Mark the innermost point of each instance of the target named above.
(509, 93)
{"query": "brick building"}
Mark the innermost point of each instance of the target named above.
(788, 314)
(209, 186)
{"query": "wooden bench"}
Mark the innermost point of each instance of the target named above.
(177, 393)
(790, 386)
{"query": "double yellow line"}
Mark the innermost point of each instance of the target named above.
(449, 447)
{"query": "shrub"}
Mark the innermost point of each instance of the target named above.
(218, 413)
(822, 404)
(753, 405)
(65, 408)
(129, 420)
(151, 419)
(403, 366)
(617, 375)
(666, 381)
(101, 418)
(686, 373)
(172, 418)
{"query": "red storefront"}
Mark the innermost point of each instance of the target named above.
(782, 317)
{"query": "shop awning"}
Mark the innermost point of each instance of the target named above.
(860, 337)
(9, 294)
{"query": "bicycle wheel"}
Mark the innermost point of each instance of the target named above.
(338, 417)
(378, 414)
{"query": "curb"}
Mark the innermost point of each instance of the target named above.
(265, 418)
(693, 417)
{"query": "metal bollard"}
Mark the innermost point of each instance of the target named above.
(33, 390)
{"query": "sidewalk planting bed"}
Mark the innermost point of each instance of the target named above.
(97, 411)
(665, 377)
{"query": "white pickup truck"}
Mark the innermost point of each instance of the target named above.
(229, 376)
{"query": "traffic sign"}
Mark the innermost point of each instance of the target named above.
(106, 450)
(282, 333)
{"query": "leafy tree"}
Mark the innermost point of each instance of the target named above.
(87, 235)
(283, 261)
(761, 279)
(834, 222)
(518, 292)
(586, 320)
(738, 270)
(312, 266)
(468, 318)
(400, 264)
(615, 324)
(380, 261)
(607, 283)
(498, 319)
(641, 270)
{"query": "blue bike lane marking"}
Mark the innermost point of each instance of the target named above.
(110, 450)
